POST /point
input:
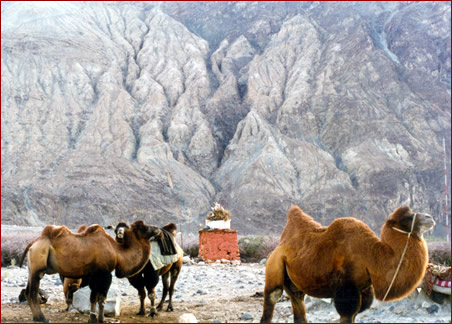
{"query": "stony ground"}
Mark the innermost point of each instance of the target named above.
(213, 293)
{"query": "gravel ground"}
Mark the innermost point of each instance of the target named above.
(216, 293)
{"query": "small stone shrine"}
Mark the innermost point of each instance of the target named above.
(217, 241)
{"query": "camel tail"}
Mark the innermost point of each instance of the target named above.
(25, 253)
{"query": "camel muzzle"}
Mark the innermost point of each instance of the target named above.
(426, 221)
(120, 233)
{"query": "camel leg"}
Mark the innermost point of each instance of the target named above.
(68, 301)
(274, 283)
(31, 294)
(297, 300)
(101, 304)
(69, 297)
(70, 290)
(66, 292)
(165, 290)
(174, 275)
(99, 285)
(151, 295)
(142, 295)
(367, 297)
(151, 279)
(37, 267)
(347, 302)
(93, 297)
(139, 283)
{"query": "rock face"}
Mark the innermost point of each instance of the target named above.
(154, 111)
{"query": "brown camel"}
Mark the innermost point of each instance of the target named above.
(91, 255)
(70, 286)
(345, 261)
(148, 277)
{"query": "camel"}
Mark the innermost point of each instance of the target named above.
(90, 255)
(149, 278)
(346, 261)
(70, 286)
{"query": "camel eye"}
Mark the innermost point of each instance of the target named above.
(407, 220)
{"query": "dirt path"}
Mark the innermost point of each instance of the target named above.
(209, 312)
(215, 293)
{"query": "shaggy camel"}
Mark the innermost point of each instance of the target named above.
(346, 261)
(149, 278)
(90, 255)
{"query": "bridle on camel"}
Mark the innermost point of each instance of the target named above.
(403, 253)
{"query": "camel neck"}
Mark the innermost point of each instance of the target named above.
(386, 261)
(132, 255)
(403, 253)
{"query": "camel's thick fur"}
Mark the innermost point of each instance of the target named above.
(345, 261)
(92, 254)
(148, 278)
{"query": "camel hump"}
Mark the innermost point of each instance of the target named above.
(82, 228)
(347, 227)
(52, 231)
(297, 216)
(93, 229)
(170, 227)
(298, 222)
(294, 211)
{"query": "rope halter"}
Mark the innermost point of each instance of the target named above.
(403, 253)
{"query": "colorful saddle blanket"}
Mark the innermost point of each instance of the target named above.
(436, 275)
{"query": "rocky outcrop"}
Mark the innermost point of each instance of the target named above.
(154, 111)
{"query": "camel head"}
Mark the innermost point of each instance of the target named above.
(119, 231)
(138, 228)
(402, 219)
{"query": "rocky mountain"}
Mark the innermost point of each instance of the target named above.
(155, 110)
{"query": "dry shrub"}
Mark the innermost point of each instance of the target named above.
(218, 213)
(439, 253)
(256, 248)
(13, 246)
(190, 246)
(191, 250)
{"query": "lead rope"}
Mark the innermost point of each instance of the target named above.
(403, 254)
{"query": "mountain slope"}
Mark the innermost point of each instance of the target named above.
(154, 111)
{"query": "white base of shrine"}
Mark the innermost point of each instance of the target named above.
(219, 224)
